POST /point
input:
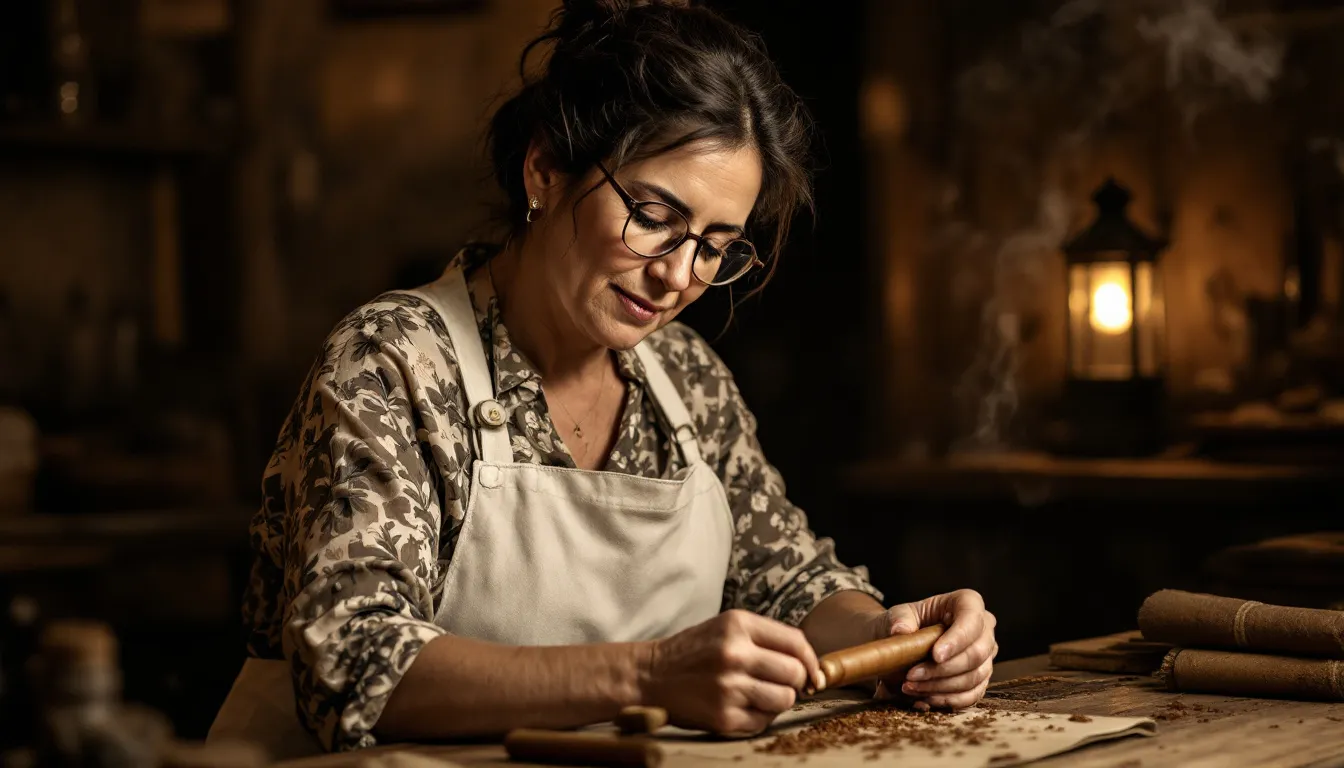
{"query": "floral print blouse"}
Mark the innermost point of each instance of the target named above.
(369, 482)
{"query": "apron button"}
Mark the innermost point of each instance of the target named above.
(489, 413)
(490, 477)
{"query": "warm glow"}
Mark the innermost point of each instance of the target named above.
(1110, 308)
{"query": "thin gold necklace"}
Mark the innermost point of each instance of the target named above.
(578, 426)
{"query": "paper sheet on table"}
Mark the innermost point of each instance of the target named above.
(1015, 738)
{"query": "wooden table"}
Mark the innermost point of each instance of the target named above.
(1229, 731)
(1193, 730)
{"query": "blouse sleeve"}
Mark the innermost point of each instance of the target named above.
(363, 521)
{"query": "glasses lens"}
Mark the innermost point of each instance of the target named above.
(654, 229)
(720, 263)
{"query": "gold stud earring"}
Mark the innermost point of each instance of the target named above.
(533, 205)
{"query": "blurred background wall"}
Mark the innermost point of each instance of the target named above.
(225, 179)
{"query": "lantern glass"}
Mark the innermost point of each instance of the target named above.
(1116, 319)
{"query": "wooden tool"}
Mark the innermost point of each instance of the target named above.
(879, 658)
(635, 720)
(570, 748)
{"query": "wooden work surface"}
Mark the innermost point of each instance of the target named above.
(1192, 729)
(1229, 731)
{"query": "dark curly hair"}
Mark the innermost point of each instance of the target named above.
(629, 79)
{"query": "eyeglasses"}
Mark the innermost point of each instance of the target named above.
(654, 229)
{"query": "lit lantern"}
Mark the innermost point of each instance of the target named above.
(1117, 327)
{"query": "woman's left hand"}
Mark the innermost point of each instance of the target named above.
(962, 658)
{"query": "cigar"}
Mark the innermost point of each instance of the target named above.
(1194, 620)
(879, 658)
(634, 720)
(570, 748)
(1253, 674)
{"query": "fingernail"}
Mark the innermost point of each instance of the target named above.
(910, 688)
(918, 673)
(941, 652)
(922, 706)
(900, 628)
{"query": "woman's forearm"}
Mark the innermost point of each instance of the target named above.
(458, 686)
(462, 687)
(843, 620)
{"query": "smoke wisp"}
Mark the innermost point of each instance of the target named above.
(1031, 114)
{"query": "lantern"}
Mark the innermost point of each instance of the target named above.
(1116, 331)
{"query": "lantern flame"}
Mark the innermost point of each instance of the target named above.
(1110, 308)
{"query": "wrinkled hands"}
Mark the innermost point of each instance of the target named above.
(734, 673)
(963, 657)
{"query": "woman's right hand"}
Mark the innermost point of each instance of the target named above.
(730, 675)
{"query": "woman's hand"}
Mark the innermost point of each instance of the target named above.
(731, 675)
(963, 657)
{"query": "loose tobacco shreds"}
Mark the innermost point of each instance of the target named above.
(886, 729)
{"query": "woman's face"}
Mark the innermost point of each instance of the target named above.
(612, 295)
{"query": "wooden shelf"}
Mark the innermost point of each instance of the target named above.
(130, 527)
(108, 141)
(1012, 472)
(50, 541)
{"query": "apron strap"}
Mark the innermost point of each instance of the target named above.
(449, 297)
(669, 400)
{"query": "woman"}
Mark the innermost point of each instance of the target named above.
(523, 495)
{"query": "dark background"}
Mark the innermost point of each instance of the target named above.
(239, 175)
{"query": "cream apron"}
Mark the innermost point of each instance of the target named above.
(546, 555)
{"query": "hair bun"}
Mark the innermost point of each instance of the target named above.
(578, 15)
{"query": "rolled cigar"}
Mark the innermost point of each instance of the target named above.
(641, 719)
(1253, 674)
(879, 658)
(1207, 621)
(570, 748)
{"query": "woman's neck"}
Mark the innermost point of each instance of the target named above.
(537, 324)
